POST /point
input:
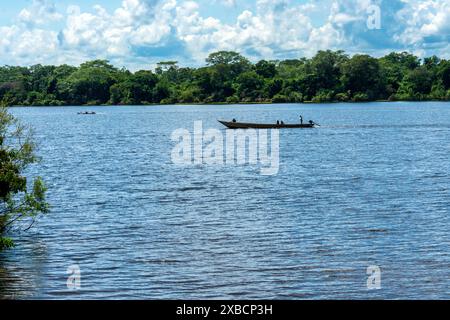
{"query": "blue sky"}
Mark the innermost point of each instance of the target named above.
(139, 33)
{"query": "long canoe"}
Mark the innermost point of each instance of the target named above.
(87, 113)
(241, 125)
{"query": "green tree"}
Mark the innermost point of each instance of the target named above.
(443, 73)
(328, 76)
(17, 201)
(273, 87)
(249, 86)
(416, 84)
(226, 57)
(162, 92)
(134, 89)
(291, 68)
(326, 67)
(230, 64)
(361, 76)
(166, 66)
(213, 83)
(266, 69)
(89, 84)
(404, 60)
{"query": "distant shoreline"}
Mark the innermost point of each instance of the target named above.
(228, 104)
(229, 78)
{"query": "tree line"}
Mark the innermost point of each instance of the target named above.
(228, 77)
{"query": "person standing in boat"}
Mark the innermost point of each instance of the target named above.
(301, 119)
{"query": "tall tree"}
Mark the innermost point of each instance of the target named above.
(90, 84)
(416, 84)
(230, 63)
(266, 69)
(361, 76)
(17, 201)
(326, 66)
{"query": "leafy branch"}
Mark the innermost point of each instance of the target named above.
(17, 152)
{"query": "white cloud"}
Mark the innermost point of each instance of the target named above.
(424, 19)
(39, 12)
(135, 23)
(141, 29)
(29, 40)
(19, 46)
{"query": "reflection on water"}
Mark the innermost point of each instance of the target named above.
(19, 278)
(369, 187)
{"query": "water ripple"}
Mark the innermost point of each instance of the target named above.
(370, 187)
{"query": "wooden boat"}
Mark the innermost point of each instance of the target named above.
(87, 113)
(241, 125)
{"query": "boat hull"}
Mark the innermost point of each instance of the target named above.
(240, 125)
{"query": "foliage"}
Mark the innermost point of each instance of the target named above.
(230, 77)
(361, 77)
(17, 201)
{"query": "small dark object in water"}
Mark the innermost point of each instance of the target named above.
(87, 112)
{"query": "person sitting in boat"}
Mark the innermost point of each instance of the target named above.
(311, 122)
(234, 120)
(282, 122)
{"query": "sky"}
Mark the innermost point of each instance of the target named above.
(137, 34)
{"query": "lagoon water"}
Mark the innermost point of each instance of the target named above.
(368, 188)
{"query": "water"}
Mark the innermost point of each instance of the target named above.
(370, 187)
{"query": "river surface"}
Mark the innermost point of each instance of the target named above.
(370, 187)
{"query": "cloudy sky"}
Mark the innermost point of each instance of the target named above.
(139, 33)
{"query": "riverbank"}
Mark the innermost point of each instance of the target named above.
(230, 78)
(236, 104)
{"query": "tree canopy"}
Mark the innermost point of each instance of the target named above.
(18, 200)
(229, 77)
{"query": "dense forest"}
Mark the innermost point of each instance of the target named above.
(228, 77)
